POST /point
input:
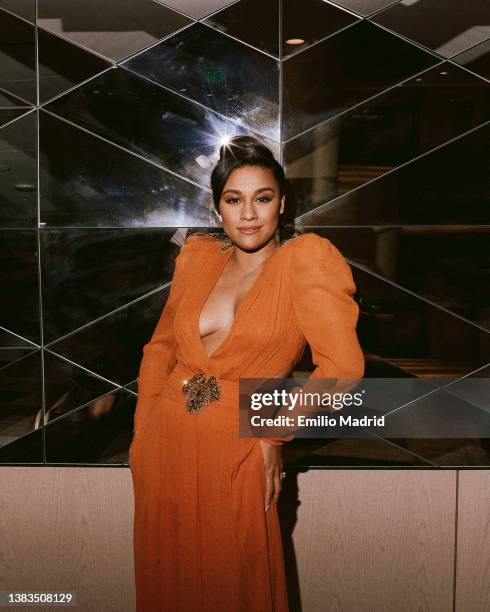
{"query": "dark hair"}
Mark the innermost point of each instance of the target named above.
(243, 151)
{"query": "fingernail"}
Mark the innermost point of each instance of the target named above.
(267, 507)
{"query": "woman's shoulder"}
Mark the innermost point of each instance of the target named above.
(199, 242)
(313, 254)
(194, 253)
(309, 244)
(198, 238)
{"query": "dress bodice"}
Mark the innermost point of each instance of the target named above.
(304, 293)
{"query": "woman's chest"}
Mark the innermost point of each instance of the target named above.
(260, 311)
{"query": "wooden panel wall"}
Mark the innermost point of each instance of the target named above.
(68, 529)
(376, 540)
(355, 540)
(473, 543)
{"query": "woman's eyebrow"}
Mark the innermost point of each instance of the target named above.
(256, 191)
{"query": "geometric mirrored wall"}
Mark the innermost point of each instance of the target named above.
(111, 118)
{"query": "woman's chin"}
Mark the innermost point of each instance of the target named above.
(252, 241)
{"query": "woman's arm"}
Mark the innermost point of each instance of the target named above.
(159, 354)
(322, 289)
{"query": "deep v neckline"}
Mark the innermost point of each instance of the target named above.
(209, 288)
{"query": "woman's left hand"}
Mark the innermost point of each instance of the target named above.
(273, 470)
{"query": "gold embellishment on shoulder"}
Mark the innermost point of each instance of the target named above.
(283, 242)
(222, 238)
(211, 236)
(196, 234)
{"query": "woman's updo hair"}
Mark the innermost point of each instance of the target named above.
(243, 151)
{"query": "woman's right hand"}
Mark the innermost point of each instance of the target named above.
(273, 467)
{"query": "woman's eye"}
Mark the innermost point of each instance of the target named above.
(260, 199)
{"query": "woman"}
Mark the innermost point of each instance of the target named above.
(206, 530)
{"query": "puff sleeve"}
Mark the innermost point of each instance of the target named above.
(322, 289)
(160, 353)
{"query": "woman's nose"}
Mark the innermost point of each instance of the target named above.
(248, 212)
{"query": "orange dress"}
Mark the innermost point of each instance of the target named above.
(202, 539)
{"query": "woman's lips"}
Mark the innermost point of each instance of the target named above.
(248, 230)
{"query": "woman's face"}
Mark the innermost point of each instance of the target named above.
(250, 200)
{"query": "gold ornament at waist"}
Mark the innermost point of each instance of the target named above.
(199, 391)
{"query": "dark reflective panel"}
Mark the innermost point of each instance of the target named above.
(364, 7)
(476, 59)
(303, 23)
(200, 9)
(374, 138)
(446, 265)
(402, 334)
(132, 387)
(450, 267)
(219, 72)
(445, 452)
(17, 50)
(446, 26)
(348, 67)
(7, 100)
(19, 299)
(13, 347)
(77, 288)
(18, 173)
(9, 354)
(27, 449)
(7, 115)
(151, 121)
(448, 186)
(63, 65)
(441, 414)
(101, 432)
(112, 346)
(87, 182)
(372, 450)
(22, 8)
(12, 341)
(366, 450)
(67, 387)
(20, 398)
(115, 31)
(310, 21)
(253, 21)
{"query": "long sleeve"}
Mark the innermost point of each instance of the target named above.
(159, 354)
(322, 295)
(322, 289)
